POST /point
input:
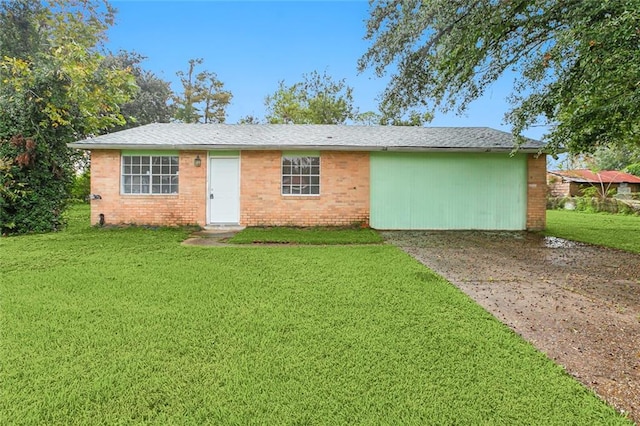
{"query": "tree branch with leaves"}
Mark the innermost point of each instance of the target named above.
(54, 91)
(578, 62)
(151, 103)
(203, 98)
(317, 99)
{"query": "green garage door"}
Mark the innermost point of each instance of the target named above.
(448, 191)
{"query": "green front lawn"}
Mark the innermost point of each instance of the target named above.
(610, 230)
(104, 326)
(312, 235)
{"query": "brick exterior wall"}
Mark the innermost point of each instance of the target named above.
(557, 187)
(188, 207)
(343, 199)
(536, 192)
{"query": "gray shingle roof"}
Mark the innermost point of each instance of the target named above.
(181, 136)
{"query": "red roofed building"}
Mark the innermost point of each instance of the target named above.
(571, 183)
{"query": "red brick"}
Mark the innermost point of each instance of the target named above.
(536, 192)
(147, 209)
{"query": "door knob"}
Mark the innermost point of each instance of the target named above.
(211, 196)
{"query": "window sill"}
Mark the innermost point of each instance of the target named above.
(300, 197)
(149, 195)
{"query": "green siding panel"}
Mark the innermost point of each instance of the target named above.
(448, 191)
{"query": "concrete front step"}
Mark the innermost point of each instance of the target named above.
(212, 236)
(221, 229)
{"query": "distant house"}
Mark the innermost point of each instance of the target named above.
(304, 175)
(571, 183)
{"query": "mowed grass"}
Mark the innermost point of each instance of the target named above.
(609, 230)
(127, 326)
(311, 235)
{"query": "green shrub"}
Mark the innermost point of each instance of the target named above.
(81, 187)
(633, 169)
(585, 204)
(603, 205)
(556, 203)
(590, 192)
(624, 208)
(35, 181)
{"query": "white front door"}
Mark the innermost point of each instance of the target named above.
(224, 190)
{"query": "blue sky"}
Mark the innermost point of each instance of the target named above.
(253, 45)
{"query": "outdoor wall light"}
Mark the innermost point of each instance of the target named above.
(197, 161)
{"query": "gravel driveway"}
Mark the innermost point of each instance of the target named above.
(578, 303)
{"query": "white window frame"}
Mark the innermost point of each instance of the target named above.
(300, 173)
(155, 172)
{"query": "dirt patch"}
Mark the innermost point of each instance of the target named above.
(577, 303)
(207, 239)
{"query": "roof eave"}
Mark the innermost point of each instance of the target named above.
(208, 147)
(525, 150)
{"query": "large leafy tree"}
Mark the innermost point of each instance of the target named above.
(203, 98)
(317, 99)
(152, 102)
(54, 90)
(623, 158)
(616, 158)
(577, 62)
